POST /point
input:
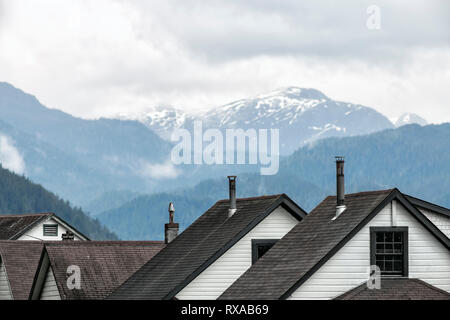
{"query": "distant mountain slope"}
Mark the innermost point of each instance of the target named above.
(410, 118)
(145, 216)
(413, 158)
(109, 200)
(89, 157)
(19, 195)
(302, 115)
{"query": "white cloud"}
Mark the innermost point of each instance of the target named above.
(10, 157)
(97, 58)
(159, 171)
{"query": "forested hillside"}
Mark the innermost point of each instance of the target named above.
(412, 158)
(20, 195)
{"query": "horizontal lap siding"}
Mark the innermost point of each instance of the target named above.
(213, 281)
(5, 290)
(37, 233)
(50, 289)
(441, 221)
(429, 260)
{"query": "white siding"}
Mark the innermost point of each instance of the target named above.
(429, 260)
(37, 233)
(50, 289)
(441, 221)
(5, 290)
(213, 281)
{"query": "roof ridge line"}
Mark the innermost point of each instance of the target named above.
(9, 215)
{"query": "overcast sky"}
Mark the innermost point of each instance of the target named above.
(96, 58)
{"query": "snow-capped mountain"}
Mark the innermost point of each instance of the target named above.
(161, 120)
(302, 115)
(409, 118)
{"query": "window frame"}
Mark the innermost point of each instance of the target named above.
(404, 230)
(50, 225)
(258, 242)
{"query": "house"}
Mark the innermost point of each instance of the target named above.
(42, 270)
(19, 261)
(215, 250)
(38, 226)
(350, 242)
(101, 265)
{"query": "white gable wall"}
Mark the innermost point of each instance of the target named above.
(439, 220)
(50, 289)
(429, 260)
(5, 289)
(37, 233)
(214, 280)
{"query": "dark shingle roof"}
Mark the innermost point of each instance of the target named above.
(428, 206)
(397, 289)
(294, 258)
(21, 260)
(12, 226)
(198, 246)
(303, 247)
(104, 265)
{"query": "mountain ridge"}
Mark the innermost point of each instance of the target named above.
(20, 195)
(302, 115)
(412, 158)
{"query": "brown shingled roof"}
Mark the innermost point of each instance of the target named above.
(12, 226)
(397, 289)
(104, 264)
(21, 260)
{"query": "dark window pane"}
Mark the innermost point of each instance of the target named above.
(380, 237)
(398, 237)
(389, 248)
(388, 265)
(388, 237)
(380, 248)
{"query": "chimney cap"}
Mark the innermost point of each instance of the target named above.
(171, 213)
(340, 158)
(231, 178)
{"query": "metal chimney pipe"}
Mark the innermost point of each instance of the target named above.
(232, 186)
(340, 186)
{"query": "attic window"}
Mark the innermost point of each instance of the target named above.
(50, 230)
(260, 247)
(389, 250)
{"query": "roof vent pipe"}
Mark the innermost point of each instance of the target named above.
(232, 184)
(340, 186)
(171, 229)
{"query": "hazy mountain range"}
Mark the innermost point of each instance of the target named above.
(120, 168)
(19, 195)
(302, 115)
(412, 158)
(82, 160)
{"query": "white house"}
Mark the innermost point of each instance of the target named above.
(215, 250)
(335, 251)
(38, 226)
